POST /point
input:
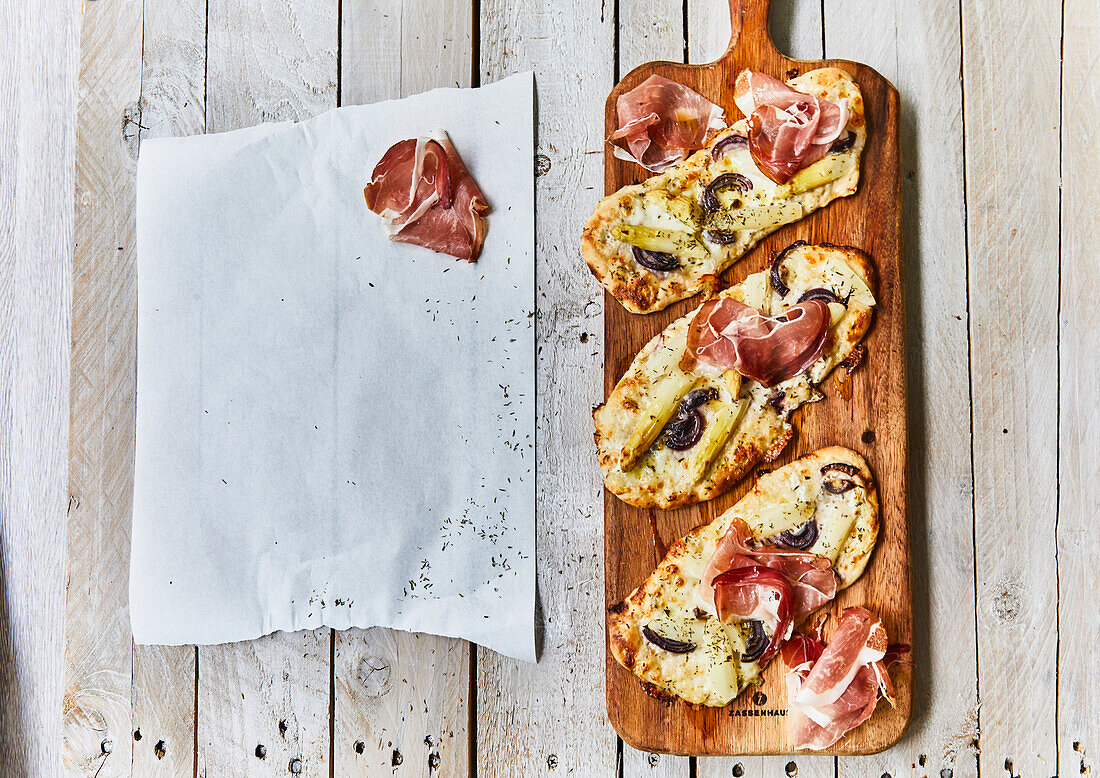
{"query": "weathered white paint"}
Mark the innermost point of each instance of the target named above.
(532, 718)
(1011, 65)
(267, 61)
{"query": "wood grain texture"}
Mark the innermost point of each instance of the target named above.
(918, 47)
(402, 701)
(276, 66)
(403, 704)
(1012, 183)
(1079, 383)
(649, 31)
(796, 28)
(395, 48)
(870, 221)
(173, 79)
(98, 648)
(264, 706)
(40, 53)
(267, 61)
(532, 718)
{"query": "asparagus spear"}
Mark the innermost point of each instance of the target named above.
(823, 171)
(678, 242)
(655, 416)
(718, 431)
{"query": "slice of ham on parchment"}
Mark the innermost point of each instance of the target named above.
(428, 197)
(661, 122)
(833, 688)
(764, 582)
(788, 129)
(728, 334)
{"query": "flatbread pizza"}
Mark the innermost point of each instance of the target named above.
(718, 607)
(704, 402)
(653, 243)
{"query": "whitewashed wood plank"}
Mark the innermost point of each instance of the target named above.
(1011, 67)
(436, 44)
(394, 48)
(795, 28)
(98, 651)
(402, 704)
(1079, 419)
(791, 766)
(403, 700)
(163, 700)
(270, 60)
(173, 83)
(173, 75)
(263, 706)
(552, 716)
(650, 31)
(37, 138)
(370, 50)
(641, 764)
(919, 48)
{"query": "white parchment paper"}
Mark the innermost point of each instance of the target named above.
(333, 428)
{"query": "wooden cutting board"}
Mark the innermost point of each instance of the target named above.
(872, 421)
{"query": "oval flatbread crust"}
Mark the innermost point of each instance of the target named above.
(747, 422)
(670, 201)
(668, 602)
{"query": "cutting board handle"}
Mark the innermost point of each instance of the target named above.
(749, 29)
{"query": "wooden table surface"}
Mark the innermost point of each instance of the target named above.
(1001, 177)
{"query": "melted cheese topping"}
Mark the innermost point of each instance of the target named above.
(668, 602)
(671, 201)
(666, 477)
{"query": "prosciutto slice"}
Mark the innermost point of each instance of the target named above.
(661, 121)
(788, 129)
(834, 688)
(427, 197)
(811, 578)
(734, 336)
(773, 585)
(755, 592)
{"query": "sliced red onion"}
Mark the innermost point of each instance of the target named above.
(802, 538)
(777, 262)
(844, 143)
(697, 397)
(825, 295)
(655, 260)
(668, 644)
(775, 400)
(757, 642)
(736, 181)
(686, 428)
(721, 237)
(727, 144)
(840, 485)
(841, 467)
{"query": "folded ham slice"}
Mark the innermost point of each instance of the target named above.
(832, 689)
(735, 586)
(428, 197)
(661, 121)
(811, 577)
(734, 336)
(756, 593)
(788, 129)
